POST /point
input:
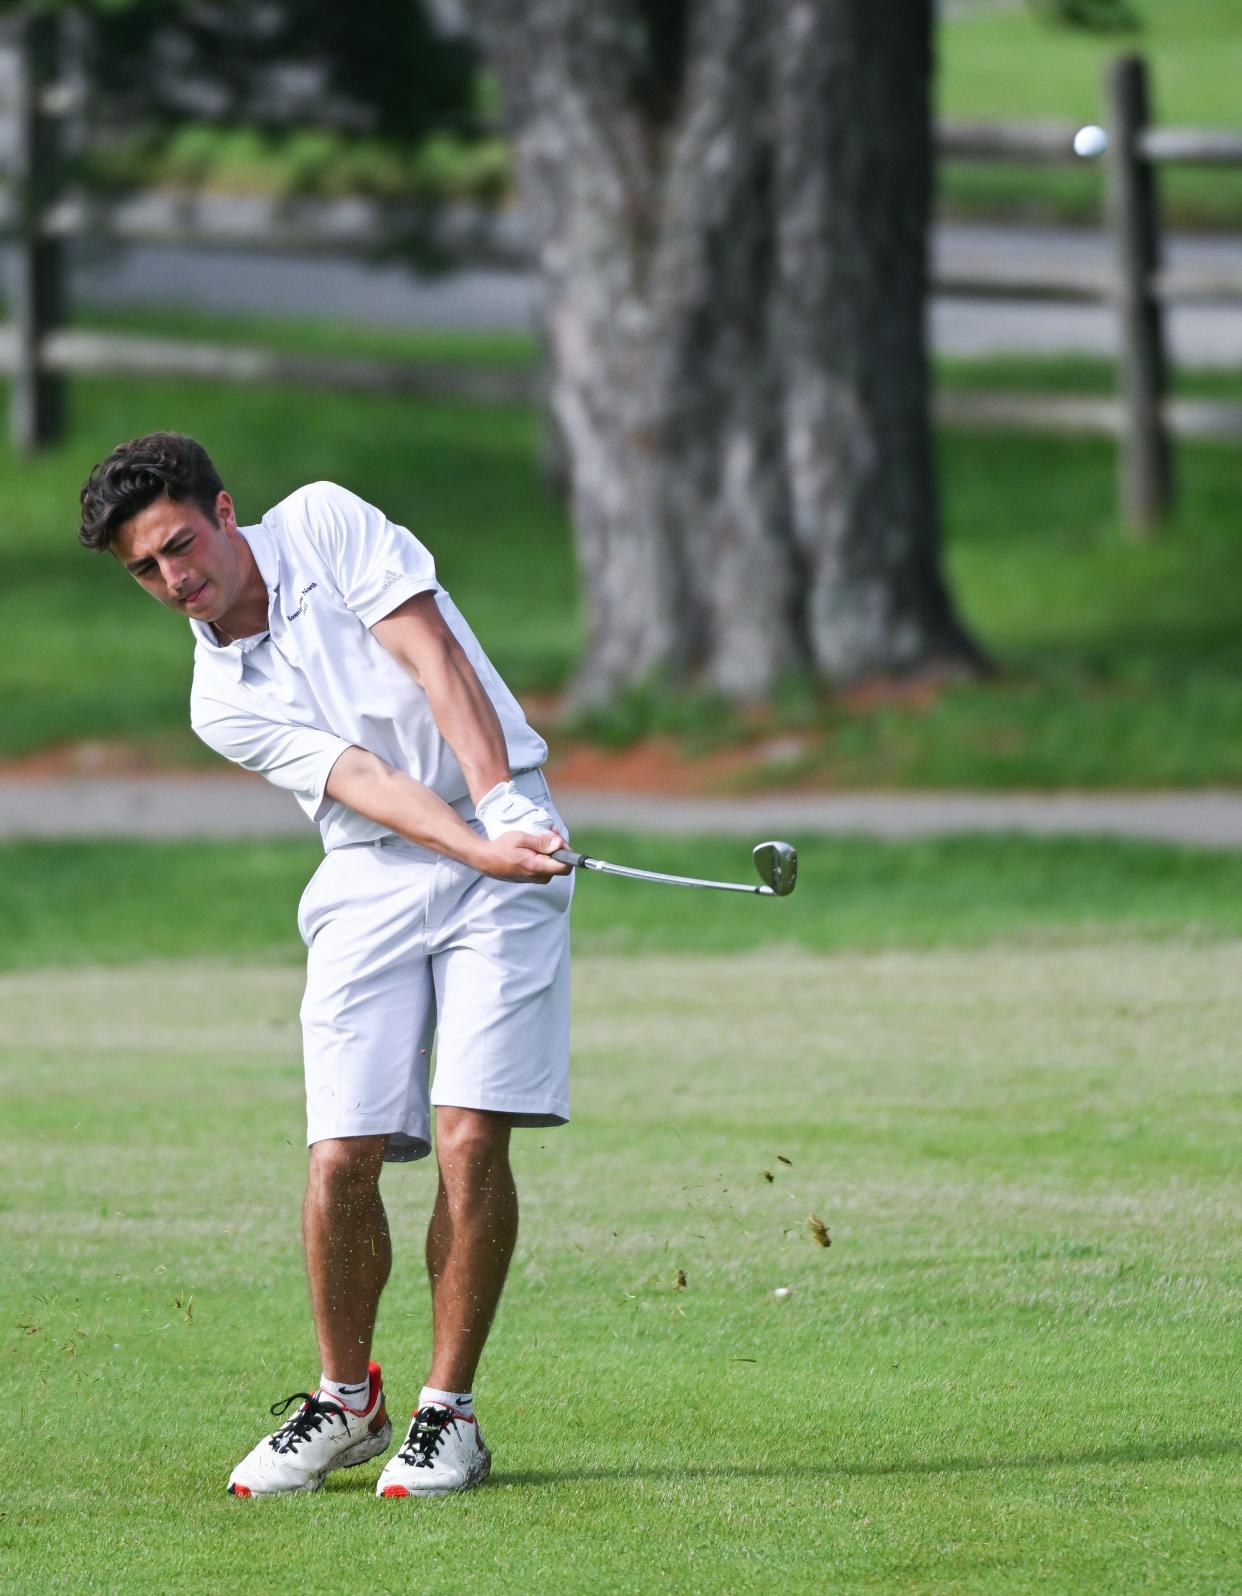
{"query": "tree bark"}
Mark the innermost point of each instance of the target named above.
(852, 211)
(733, 213)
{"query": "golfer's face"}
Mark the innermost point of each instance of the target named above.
(182, 557)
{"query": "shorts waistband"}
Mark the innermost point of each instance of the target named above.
(531, 783)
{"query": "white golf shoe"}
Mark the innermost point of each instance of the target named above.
(444, 1451)
(321, 1436)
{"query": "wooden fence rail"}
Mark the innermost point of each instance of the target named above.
(39, 352)
(37, 413)
(70, 351)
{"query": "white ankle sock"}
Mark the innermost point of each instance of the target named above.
(354, 1397)
(463, 1401)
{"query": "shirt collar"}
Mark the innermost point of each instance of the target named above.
(267, 558)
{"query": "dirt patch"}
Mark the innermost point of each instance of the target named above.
(660, 765)
(654, 765)
(893, 692)
(114, 757)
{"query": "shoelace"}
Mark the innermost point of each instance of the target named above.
(426, 1433)
(305, 1422)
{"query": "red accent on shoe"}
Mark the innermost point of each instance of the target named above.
(391, 1490)
(239, 1490)
(375, 1382)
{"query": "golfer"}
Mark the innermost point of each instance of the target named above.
(329, 659)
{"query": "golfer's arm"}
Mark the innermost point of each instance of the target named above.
(366, 784)
(419, 639)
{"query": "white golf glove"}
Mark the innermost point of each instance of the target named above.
(504, 808)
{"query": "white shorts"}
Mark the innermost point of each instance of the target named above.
(405, 945)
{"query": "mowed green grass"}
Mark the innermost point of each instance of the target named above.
(1007, 60)
(74, 903)
(1013, 1370)
(1118, 664)
(1005, 63)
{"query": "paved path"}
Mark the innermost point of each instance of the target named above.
(240, 806)
(1207, 334)
(389, 295)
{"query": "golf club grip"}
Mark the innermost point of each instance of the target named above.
(569, 857)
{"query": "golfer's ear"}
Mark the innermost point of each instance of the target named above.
(225, 514)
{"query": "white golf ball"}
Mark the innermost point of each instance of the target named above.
(782, 1292)
(1090, 141)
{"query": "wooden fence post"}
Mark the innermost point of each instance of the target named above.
(38, 399)
(1145, 458)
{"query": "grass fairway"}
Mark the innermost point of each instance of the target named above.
(1013, 1370)
(113, 903)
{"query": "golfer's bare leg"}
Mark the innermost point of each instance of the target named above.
(470, 1239)
(348, 1250)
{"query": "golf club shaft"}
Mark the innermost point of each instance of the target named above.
(583, 861)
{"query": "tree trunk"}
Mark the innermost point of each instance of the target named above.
(733, 211)
(852, 210)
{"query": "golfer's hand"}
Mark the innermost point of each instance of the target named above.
(519, 856)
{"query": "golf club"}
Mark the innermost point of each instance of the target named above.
(776, 862)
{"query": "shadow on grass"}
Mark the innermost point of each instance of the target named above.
(1202, 1447)
(1138, 1452)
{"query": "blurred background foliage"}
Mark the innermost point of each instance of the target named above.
(288, 96)
(1096, 16)
(392, 98)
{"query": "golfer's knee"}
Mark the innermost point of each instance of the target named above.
(347, 1163)
(471, 1138)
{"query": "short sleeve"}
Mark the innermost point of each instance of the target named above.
(375, 563)
(297, 758)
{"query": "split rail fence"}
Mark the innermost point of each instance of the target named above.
(39, 351)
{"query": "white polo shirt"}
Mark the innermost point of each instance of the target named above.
(288, 702)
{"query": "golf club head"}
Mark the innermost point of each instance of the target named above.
(777, 864)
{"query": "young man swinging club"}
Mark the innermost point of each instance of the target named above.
(329, 659)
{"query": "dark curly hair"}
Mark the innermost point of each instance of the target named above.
(137, 473)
